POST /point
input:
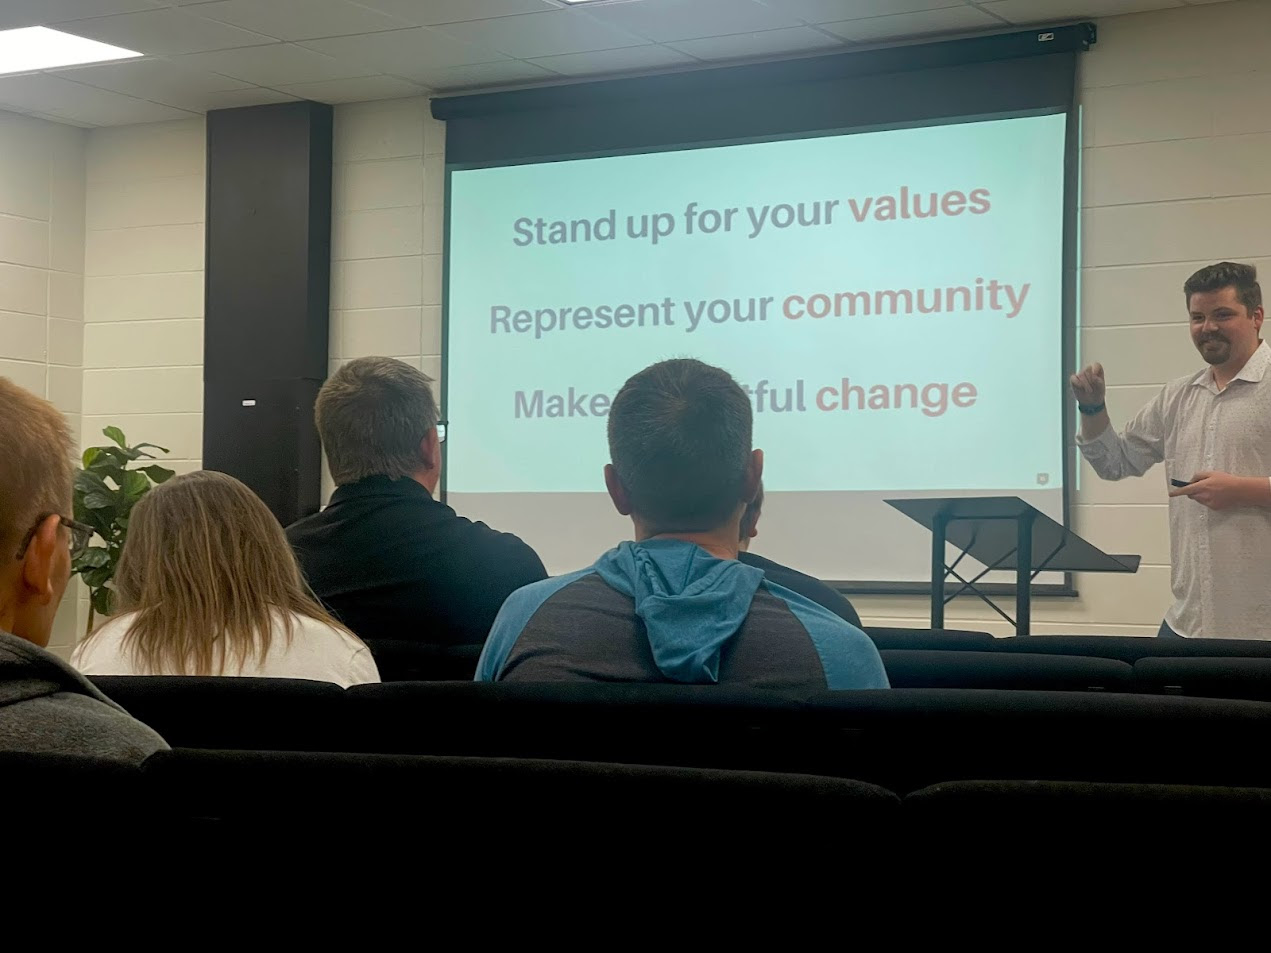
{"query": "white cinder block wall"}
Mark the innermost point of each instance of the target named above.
(388, 192)
(1176, 174)
(42, 273)
(143, 291)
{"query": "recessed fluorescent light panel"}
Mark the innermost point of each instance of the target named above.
(38, 47)
(579, 1)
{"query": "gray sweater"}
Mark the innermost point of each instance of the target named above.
(48, 707)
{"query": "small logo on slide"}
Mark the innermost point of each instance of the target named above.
(1043, 479)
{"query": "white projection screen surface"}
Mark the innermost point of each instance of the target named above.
(880, 247)
(892, 300)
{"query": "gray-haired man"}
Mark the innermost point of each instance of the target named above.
(385, 556)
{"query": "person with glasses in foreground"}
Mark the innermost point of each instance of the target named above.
(45, 705)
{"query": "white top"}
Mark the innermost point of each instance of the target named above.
(317, 651)
(1218, 558)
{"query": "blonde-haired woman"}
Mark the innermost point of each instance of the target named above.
(207, 585)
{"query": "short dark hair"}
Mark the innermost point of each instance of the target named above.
(680, 439)
(1227, 274)
(372, 415)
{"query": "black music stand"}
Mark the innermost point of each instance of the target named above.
(1000, 531)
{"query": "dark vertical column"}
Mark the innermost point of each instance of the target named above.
(267, 286)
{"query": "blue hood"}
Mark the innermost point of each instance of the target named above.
(691, 603)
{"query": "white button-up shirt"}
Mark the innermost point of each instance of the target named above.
(1220, 559)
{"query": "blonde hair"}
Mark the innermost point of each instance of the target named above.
(207, 571)
(372, 415)
(35, 465)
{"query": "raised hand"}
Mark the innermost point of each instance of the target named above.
(1088, 385)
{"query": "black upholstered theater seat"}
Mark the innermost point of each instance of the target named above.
(695, 725)
(895, 638)
(402, 660)
(967, 669)
(504, 802)
(1208, 677)
(1129, 648)
(231, 712)
(905, 739)
(46, 783)
(1069, 822)
(1008, 796)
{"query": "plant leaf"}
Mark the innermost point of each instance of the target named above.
(158, 474)
(88, 480)
(134, 485)
(93, 558)
(111, 457)
(152, 446)
(117, 435)
(94, 578)
(90, 455)
(103, 600)
(99, 499)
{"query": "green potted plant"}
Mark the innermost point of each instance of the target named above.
(106, 489)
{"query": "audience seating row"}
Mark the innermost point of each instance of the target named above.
(430, 801)
(1125, 648)
(1197, 676)
(903, 739)
(412, 661)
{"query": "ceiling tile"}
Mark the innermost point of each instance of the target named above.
(61, 98)
(947, 20)
(156, 80)
(163, 31)
(828, 11)
(1033, 11)
(503, 73)
(616, 61)
(430, 12)
(543, 34)
(299, 19)
(250, 96)
(666, 20)
(800, 39)
(361, 90)
(64, 120)
(19, 13)
(277, 65)
(403, 52)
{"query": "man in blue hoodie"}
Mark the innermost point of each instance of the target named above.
(676, 605)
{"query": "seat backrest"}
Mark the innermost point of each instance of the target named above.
(905, 739)
(1207, 677)
(990, 813)
(400, 660)
(697, 725)
(231, 712)
(48, 781)
(894, 638)
(968, 669)
(499, 802)
(1129, 648)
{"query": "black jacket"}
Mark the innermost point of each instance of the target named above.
(805, 585)
(393, 563)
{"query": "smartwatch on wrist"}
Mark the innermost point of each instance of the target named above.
(1089, 410)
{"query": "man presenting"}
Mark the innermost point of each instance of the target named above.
(1213, 431)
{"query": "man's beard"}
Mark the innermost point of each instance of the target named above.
(1218, 354)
